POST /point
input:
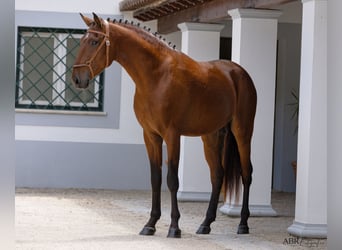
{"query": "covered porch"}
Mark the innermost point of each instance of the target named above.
(258, 44)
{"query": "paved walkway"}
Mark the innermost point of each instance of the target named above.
(105, 219)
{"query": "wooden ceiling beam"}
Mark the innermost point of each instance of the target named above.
(166, 5)
(270, 3)
(210, 12)
(129, 5)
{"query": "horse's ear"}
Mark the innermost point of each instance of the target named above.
(88, 21)
(97, 20)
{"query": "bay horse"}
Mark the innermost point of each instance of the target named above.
(174, 96)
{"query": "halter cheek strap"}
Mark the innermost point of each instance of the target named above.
(106, 42)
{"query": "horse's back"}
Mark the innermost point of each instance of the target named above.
(195, 98)
(215, 93)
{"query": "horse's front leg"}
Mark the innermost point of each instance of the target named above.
(153, 144)
(173, 150)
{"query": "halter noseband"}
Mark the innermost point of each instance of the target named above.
(104, 41)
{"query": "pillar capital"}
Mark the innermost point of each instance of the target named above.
(304, 1)
(254, 13)
(188, 26)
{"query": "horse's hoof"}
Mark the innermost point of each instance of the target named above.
(148, 231)
(203, 230)
(243, 229)
(174, 233)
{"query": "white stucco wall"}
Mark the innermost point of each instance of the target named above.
(129, 130)
(82, 155)
(83, 6)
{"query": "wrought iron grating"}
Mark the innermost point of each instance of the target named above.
(43, 72)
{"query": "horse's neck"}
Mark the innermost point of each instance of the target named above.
(136, 55)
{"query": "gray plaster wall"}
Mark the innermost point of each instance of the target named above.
(82, 165)
(288, 77)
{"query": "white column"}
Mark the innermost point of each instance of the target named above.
(201, 42)
(311, 194)
(334, 123)
(254, 47)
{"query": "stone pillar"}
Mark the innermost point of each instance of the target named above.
(311, 194)
(201, 42)
(254, 47)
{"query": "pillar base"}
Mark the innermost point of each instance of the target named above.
(307, 230)
(193, 196)
(255, 210)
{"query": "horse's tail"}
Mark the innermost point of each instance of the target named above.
(232, 166)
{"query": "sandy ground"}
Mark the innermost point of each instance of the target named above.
(106, 219)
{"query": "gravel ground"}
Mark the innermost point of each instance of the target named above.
(106, 219)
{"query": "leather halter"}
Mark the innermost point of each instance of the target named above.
(104, 41)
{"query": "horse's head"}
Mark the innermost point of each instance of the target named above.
(93, 55)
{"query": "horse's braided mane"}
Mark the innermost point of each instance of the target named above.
(145, 32)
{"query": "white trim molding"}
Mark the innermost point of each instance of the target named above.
(255, 13)
(308, 230)
(193, 196)
(255, 210)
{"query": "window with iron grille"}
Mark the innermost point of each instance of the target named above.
(43, 75)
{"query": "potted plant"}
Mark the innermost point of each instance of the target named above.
(295, 111)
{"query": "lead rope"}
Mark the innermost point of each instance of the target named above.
(105, 41)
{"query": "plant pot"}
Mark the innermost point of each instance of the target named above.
(294, 167)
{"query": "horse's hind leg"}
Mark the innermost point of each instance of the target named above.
(213, 145)
(153, 144)
(242, 128)
(243, 139)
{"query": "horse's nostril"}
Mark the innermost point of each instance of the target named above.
(76, 80)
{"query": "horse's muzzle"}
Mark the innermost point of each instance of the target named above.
(80, 82)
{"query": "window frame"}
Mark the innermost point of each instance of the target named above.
(59, 68)
(114, 96)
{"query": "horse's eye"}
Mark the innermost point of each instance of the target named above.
(93, 43)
